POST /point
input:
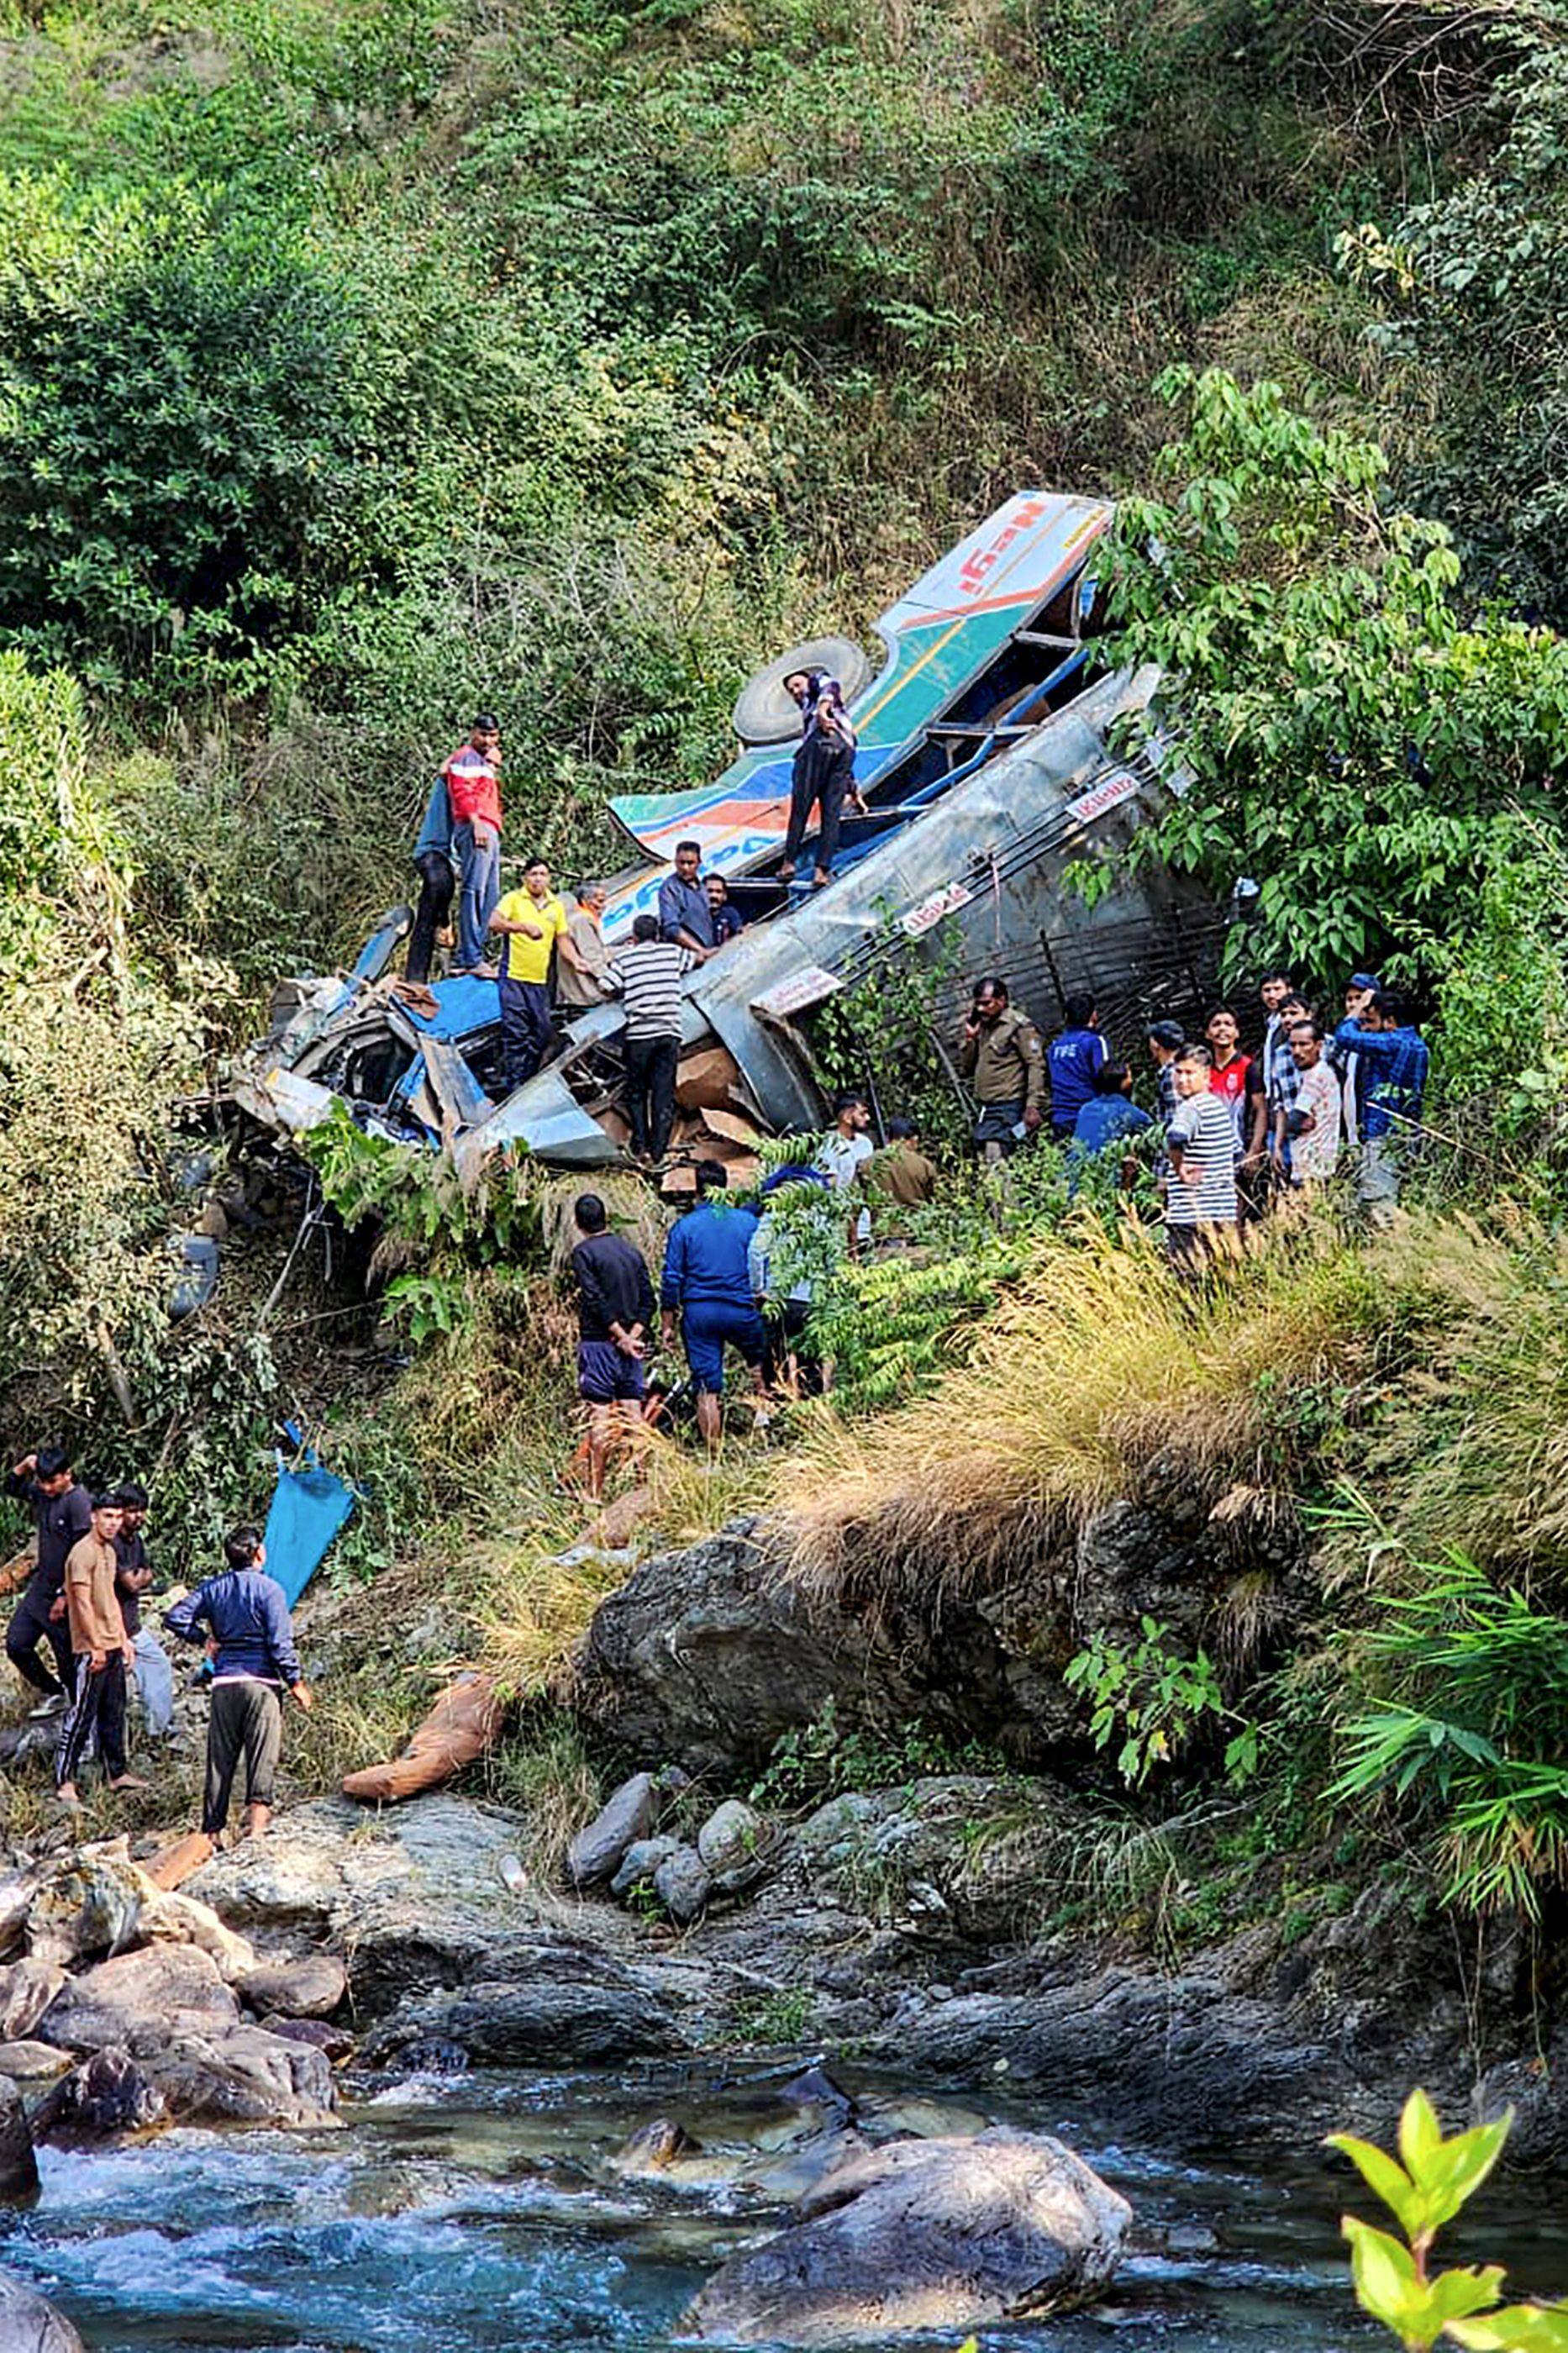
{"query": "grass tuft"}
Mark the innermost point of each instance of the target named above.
(1099, 1376)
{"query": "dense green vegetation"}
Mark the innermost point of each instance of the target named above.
(360, 362)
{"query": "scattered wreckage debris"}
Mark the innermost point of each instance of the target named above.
(988, 765)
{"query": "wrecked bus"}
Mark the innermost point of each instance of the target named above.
(987, 763)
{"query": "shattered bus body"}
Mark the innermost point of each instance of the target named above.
(988, 765)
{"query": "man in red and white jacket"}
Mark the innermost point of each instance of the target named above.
(473, 786)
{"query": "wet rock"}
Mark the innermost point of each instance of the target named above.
(639, 1862)
(654, 2147)
(18, 2165)
(924, 2234)
(31, 2063)
(433, 2056)
(310, 1987)
(682, 1883)
(241, 2074)
(107, 2094)
(164, 1991)
(26, 1989)
(731, 1840)
(29, 2325)
(568, 2004)
(336, 2042)
(595, 1854)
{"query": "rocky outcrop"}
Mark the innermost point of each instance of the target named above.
(924, 2234)
(416, 1896)
(707, 1656)
(563, 2003)
(29, 2325)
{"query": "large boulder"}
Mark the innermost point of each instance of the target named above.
(242, 2074)
(707, 1655)
(29, 2325)
(106, 2095)
(18, 2165)
(179, 1919)
(312, 1987)
(162, 1991)
(944, 2234)
(91, 1904)
(413, 1897)
(564, 2004)
(628, 1816)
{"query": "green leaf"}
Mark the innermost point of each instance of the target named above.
(1420, 2134)
(1382, 2176)
(1518, 2328)
(1387, 2282)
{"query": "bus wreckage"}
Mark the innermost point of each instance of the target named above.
(987, 763)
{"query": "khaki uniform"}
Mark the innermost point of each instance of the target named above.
(1006, 1063)
(904, 1175)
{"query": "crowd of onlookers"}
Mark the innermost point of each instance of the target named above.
(1241, 1132)
(1233, 1136)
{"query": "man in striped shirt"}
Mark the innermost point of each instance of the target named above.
(1201, 1208)
(647, 976)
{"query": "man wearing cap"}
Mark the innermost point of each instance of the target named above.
(473, 786)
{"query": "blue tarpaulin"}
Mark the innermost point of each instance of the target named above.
(463, 1006)
(309, 1506)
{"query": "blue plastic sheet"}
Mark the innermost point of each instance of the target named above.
(309, 1506)
(463, 1006)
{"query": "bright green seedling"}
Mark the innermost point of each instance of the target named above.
(1425, 2189)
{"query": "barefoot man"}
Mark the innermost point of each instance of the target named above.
(100, 1652)
(243, 1619)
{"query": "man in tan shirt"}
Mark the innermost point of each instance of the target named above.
(101, 1653)
(577, 986)
(1001, 1054)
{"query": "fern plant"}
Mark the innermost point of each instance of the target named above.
(1467, 1713)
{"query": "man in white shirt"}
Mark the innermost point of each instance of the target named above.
(1313, 1121)
(844, 1151)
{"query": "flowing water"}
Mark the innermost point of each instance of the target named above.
(461, 2214)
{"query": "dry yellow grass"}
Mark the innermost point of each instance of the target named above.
(1099, 1376)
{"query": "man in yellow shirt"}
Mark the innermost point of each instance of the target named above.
(531, 922)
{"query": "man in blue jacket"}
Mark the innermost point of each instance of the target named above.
(707, 1281)
(243, 1619)
(1392, 1060)
(1072, 1058)
(438, 881)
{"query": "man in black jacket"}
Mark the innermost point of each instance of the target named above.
(62, 1510)
(615, 1310)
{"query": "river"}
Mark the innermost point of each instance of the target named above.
(461, 2214)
